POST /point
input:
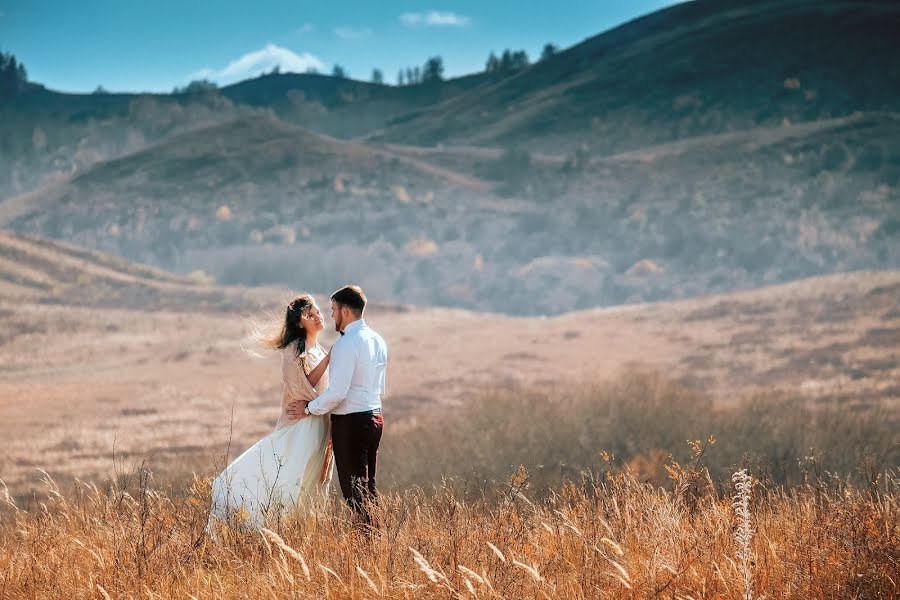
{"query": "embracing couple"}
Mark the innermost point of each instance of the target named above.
(330, 404)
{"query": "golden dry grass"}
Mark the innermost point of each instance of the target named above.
(642, 421)
(585, 525)
(605, 537)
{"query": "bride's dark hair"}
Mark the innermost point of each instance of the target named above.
(291, 331)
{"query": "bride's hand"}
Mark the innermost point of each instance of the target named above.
(297, 409)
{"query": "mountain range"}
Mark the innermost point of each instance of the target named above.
(707, 147)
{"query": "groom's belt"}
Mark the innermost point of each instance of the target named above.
(363, 413)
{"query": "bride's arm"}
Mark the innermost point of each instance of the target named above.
(316, 374)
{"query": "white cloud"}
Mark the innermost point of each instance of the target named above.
(434, 18)
(349, 33)
(306, 28)
(261, 61)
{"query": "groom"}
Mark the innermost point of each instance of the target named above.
(355, 388)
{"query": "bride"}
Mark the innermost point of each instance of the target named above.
(289, 469)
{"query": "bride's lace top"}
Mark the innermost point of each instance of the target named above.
(294, 379)
(292, 370)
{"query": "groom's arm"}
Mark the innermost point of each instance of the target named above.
(340, 372)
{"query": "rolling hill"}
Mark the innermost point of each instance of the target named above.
(693, 69)
(703, 148)
(257, 201)
(39, 271)
(46, 135)
(712, 213)
(344, 108)
(255, 179)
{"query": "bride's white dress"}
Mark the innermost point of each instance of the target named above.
(289, 469)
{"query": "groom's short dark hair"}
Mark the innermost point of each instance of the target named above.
(352, 297)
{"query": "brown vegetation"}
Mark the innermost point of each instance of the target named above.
(794, 382)
(641, 421)
(77, 381)
(602, 532)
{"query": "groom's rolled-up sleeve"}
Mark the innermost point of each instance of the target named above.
(340, 372)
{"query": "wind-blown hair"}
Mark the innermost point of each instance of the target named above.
(291, 331)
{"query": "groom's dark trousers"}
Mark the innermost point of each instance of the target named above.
(354, 439)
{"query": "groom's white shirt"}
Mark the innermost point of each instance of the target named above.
(355, 373)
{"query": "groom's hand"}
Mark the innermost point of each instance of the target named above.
(297, 409)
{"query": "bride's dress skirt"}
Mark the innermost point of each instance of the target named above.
(288, 470)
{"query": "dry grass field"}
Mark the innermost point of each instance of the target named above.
(608, 536)
(609, 530)
(88, 366)
(525, 457)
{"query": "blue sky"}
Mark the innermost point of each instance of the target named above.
(131, 45)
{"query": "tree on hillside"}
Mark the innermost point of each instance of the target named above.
(198, 86)
(508, 62)
(13, 76)
(413, 75)
(434, 70)
(493, 63)
(339, 72)
(377, 76)
(513, 61)
(549, 50)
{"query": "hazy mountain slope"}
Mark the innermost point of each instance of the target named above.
(697, 68)
(254, 184)
(694, 69)
(714, 169)
(46, 134)
(258, 201)
(713, 213)
(37, 270)
(344, 108)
